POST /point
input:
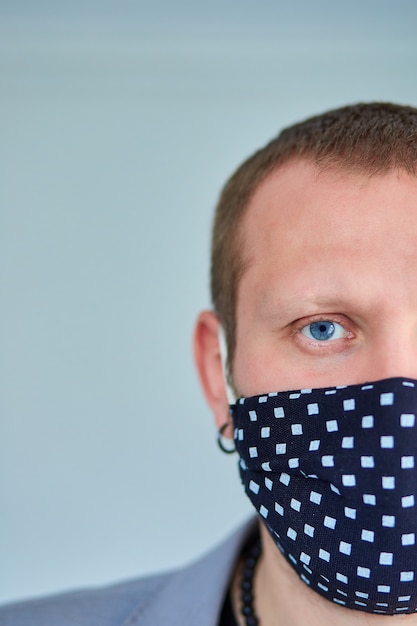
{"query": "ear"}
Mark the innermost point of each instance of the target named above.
(209, 365)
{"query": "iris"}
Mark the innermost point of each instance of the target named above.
(321, 331)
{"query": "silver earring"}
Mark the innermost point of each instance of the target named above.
(228, 448)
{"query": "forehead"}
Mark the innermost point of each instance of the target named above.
(302, 223)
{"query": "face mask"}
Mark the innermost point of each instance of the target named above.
(332, 473)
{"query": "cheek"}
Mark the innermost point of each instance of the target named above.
(262, 366)
(258, 369)
(245, 366)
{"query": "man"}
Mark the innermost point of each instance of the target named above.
(314, 285)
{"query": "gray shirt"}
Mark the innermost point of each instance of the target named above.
(192, 596)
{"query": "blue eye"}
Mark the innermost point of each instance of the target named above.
(323, 330)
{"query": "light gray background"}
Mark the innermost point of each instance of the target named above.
(119, 123)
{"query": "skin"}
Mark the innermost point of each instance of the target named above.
(321, 246)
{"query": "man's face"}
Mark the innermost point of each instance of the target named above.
(330, 293)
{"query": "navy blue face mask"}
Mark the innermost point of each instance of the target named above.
(332, 473)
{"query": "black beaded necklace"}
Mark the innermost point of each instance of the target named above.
(246, 583)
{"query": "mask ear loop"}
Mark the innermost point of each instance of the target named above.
(231, 398)
(229, 447)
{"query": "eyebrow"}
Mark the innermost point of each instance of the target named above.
(295, 307)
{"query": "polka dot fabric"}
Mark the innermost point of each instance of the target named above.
(332, 473)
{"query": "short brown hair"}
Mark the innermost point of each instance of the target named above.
(372, 138)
